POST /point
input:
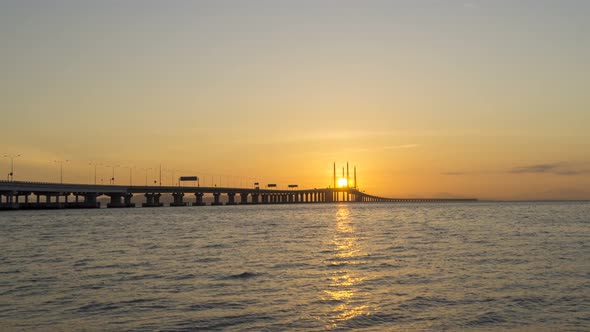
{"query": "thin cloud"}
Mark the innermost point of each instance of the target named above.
(537, 168)
(456, 173)
(557, 168)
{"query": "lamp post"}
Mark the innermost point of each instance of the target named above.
(10, 176)
(173, 173)
(94, 164)
(146, 174)
(130, 174)
(113, 176)
(61, 169)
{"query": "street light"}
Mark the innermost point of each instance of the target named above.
(146, 174)
(113, 176)
(10, 176)
(94, 164)
(171, 172)
(130, 174)
(61, 169)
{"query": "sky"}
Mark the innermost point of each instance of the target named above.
(485, 99)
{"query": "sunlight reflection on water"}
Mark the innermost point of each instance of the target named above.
(344, 285)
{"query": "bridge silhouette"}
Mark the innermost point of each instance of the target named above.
(16, 195)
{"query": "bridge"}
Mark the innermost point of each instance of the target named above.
(15, 195)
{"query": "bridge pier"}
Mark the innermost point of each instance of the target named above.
(231, 199)
(127, 200)
(152, 200)
(118, 200)
(216, 200)
(178, 199)
(198, 199)
(243, 198)
(255, 198)
(90, 200)
(9, 203)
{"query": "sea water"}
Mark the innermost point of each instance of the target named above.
(312, 267)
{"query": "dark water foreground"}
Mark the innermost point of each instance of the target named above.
(482, 266)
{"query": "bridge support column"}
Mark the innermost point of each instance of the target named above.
(178, 199)
(231, 198)
(116, 200)
(10, 204)
(152, 200)
(216, 199)
(120, 200)
(199, 199)
(243, 198)
(90, 200)
(255, 198)
(127, 200)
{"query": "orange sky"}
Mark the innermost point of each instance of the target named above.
(481, 99)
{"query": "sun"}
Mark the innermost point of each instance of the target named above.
(342, 182)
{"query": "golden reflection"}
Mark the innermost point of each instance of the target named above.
(343, 283)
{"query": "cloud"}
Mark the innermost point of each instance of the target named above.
(538, 168)
(557, 168)
(456, 173)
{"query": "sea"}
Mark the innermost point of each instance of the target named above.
(521, 266)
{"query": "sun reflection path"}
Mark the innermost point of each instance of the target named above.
(343, 282)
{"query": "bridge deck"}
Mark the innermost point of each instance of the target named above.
(58, 195)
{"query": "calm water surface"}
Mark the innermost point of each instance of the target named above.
(484, 266)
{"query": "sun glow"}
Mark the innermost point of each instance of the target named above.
(342, 182)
